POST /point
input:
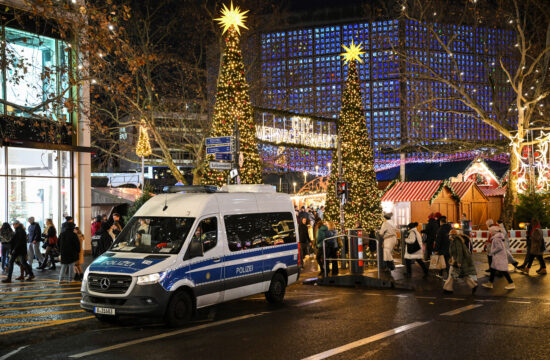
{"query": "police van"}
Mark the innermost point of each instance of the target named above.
(196, 246)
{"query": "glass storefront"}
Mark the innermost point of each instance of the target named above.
(36, 79)
(35, 182)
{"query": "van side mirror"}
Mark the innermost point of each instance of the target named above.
(195, 249)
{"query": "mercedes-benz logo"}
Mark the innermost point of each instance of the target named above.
(104, 283)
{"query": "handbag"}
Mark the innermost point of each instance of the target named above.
(412, 248)
(437, 262)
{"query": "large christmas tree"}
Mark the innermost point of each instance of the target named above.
(363, 205)
(233, 105)
(332, 203)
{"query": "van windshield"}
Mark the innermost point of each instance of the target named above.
(164, 235)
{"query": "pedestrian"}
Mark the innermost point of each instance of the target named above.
(536, 248)
(321, 235)
(511, 259)
(499, 261)
(96, 225)
(528, 246)
(388, 233)
(442, 242)
(413, 250)
(105, 239)
(326, 230)
(492, 229)
(34, 236)
(118, 220)
(321, 212)
(79, 275)
(68, 220)
(6, 234)
(465, 225)
(303, 233)
(50, 241)
(69, 249)
(104, 218)
(462, 264)
(18, 246)
(431, 232)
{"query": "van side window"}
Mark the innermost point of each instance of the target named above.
(248, 231)
(207, 232)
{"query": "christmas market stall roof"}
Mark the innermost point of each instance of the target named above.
(493, 191)
(413, 191)
(438, 170)
(461, 188)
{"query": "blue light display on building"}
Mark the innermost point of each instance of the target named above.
(302, 72)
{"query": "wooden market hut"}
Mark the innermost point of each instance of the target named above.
(472, 202)
(414, 201)
(495, 197)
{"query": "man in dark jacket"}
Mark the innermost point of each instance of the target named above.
(105, 239)
(69, 249)
(34, 237)
(304, 239)
(431, 233)
(18, 246)
(442, 241)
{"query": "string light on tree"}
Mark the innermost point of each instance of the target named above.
(233, 104)
(143, 149)
(363, 205)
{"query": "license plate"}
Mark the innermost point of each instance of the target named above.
(104, 311)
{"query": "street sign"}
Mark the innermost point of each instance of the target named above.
(218, 165)
(224, 156)
(218, 149)
(233, 173)
(222, 140)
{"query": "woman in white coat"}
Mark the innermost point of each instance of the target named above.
(500, 261)
(413, 250)
(388, 233)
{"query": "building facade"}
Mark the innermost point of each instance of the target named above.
(45, 150)
(302, 71)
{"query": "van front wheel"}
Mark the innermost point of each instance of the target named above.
(277, 289)
(179, 309)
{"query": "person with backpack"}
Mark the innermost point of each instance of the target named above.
(6, 234)
(413, 250)
(50, 241)
(69, 249)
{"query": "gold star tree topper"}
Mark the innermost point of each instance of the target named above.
(232, 16)
(352, 53)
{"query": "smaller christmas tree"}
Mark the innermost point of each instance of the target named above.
(143, 147)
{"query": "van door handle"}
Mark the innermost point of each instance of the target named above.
(216, 259)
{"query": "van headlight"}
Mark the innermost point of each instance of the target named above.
(150, 278)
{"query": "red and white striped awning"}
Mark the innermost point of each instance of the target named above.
(412, 191)
(461, 188)
(493, 191)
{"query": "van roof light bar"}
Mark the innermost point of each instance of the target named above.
(190, 189)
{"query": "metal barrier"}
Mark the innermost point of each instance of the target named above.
(348, 237)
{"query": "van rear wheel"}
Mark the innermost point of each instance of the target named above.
(179, 310)
(277, 289)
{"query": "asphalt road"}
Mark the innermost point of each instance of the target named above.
(41, 320)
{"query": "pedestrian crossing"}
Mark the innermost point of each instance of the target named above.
(43, 302)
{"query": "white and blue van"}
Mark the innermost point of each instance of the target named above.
(193, 248)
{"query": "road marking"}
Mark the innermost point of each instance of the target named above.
(486, 300)
(165, 335)
(26, 324)
(519, 302)
(426, 297)
(30, 284)
(39, 307)
(25, 283)
(41, 300)
(372, 294)
(40, 314)
(13, 352)
(314, 301)
(365, 341)
(399, 295)
(45, 295)
(461, 310)
(56, 322)
(27, 291)
(454, 299)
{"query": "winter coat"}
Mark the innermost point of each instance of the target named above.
(303, 233)
(6, 235)
(51, 235)
(18, 243)
(499, 253)
(322, 233)
(387, 232)
(35, 234)
(69, 245)
(95, 227)
(431, 231)
(414, 236)
(537, 242)
(105, 239)
(462, 258)
(442, 241)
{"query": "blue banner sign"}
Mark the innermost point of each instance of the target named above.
(218, 149)
(222, 140)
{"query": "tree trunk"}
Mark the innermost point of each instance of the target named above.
(511, 198)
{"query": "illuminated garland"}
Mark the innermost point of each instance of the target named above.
(143, 147)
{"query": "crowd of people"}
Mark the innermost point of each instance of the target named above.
(22, 246)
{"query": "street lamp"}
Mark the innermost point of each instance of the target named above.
(294, 183)
(305, 177)
(329, 164)
(317, 170)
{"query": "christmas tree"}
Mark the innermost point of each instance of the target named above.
(143, 147)
(233, 105)
(363, 205)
